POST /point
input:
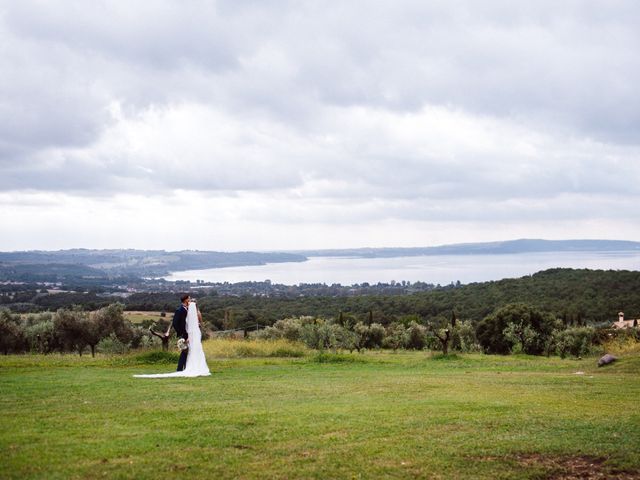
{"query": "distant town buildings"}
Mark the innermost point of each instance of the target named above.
(624, 324)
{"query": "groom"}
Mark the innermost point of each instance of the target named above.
(179, 324)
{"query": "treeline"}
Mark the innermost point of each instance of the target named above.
(577, 297)
(71, 330)
(514, 328)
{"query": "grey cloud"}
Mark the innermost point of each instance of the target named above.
(163, 35)
(564, 208)
(80, 178)
(568, 68)
(61, 176)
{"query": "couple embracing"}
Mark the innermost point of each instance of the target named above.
(186, 323)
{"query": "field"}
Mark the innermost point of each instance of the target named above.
(306, 415)
(139, 317)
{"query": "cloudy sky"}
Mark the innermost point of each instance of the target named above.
(232, 125)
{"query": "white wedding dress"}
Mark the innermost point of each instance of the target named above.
(196, 363)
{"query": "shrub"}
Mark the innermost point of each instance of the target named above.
(416, 336)
(320, 335)
(42, 337)
(112, 344)
(288, 328)
(625, 343)
(573, 341)
(345, 338)
(36, 318)
(432, 343)
(522, 337)
(268, 333)
(368, 336)
(466, 337)
(375, 335)
(137, 337)
(148, 341)
(291, 328)
(396, 336)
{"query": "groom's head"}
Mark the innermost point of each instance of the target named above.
(185, 299)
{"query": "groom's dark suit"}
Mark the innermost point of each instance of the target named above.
(180, 326)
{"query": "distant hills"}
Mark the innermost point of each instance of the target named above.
(487, 248)
(115, 263)
(100, 264)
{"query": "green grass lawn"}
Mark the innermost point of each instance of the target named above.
(404, 415)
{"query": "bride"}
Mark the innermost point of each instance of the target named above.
(196, 363)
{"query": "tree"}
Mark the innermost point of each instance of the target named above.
(345, 338)
(441, 330)
(375, 335)
(361, 332)
(90, 333)
(346, 320)
(417, 336)
(11, 334)
(77, 329)
(443, 335)
(69, 325)
(42, 337)
(110, 319)
(466, 336)
(396, 336)
(521, 335)
(163, 338)
(320, 335)
(291, 328)
(491, 330)
(249, 319)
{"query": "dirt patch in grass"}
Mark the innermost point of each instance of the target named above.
(578, 468)
(572, 467)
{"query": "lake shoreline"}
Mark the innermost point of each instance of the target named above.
(435, 269)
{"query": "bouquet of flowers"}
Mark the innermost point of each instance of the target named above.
(182, 344)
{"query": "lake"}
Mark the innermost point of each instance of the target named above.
(442, 269)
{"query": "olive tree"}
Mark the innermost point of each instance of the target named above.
(110, 320)
(70, 325)
(576, 341)
(42, 337)
(12, 338)
(530, 325)
(396, 336)
(416, 336)
(440, 329)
